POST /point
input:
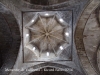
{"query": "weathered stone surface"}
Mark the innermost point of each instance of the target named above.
(85, 49)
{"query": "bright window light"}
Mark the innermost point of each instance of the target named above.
(61, 48)
(48, 53)
(46, 14)
(67, 34)
(61, 20)
(32, 21)
(33, 49)
(27, 35)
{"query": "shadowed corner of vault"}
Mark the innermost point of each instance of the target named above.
(46, 37)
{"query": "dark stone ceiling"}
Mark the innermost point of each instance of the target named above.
(46, 71)
(45, 2)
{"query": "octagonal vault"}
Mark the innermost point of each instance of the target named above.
(46, 37)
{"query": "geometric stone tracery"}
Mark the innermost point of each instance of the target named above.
(47, 34)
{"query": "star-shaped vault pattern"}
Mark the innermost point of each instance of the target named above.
(47, 34)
